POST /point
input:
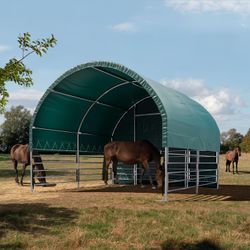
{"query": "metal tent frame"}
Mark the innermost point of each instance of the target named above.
(97, 91)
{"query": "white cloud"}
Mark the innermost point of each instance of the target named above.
(26, 94)
(235, 6)
(25, 97)
(4, 48)
(221, 103)
(126, 26)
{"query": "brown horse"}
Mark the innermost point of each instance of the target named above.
(233, 157)
(20, 153)
(138, 152)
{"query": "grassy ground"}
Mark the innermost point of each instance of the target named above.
(120, 217)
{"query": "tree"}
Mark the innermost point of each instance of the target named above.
(245, 145)
(15, 128)
(16, 71)
(230, 139)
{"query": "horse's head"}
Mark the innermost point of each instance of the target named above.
(238, 150)
(160, 173)
(160, 177)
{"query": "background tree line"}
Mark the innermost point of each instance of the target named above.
(232, 139)
(15, 129)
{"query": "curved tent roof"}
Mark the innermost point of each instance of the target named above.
(84, 106)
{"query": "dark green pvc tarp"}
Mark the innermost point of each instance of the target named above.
(93, 103)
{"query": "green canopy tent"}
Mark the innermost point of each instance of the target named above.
(97, 102)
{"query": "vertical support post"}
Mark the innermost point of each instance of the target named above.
(188, 162)
(197, 171)
(112, 177)
(135, 175)
(31, 173)
(135, 165)
(165, 198)
(186, 170)
(218, 168)
(112, 174)
(78, 160)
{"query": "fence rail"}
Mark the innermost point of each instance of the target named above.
(185, 169)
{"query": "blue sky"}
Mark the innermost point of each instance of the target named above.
(199, 47)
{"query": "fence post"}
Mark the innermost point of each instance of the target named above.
(78, 160)
(186, 169)
(135, 165)
(135, 174)
(112, 174)
(31, 173)
(218, 168)
(197, 171)
(165, 198)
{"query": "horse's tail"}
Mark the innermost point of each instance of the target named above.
(12, 151)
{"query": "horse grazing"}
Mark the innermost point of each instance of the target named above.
(20, 153)
(233, 157)
(138, 152)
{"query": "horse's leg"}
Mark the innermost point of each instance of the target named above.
(236, 163)
(33, 175)
(227, 165)
(23, 172)
(15, 167)
(233, 166)
(115, 163)
(146, 166)
(106, 163)
(142, 173)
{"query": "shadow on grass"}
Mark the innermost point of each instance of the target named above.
(201, 245)
(12, 246)
(35, 218)
(244, 172)
(225, 192)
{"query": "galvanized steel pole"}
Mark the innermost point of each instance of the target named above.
(135, 165)
(78, 159)
(218, 168)
(165, 197)
(197, 171)
(31, 173)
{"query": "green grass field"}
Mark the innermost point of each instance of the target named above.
(118, 217)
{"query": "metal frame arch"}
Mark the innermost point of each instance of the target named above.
(120, 68)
